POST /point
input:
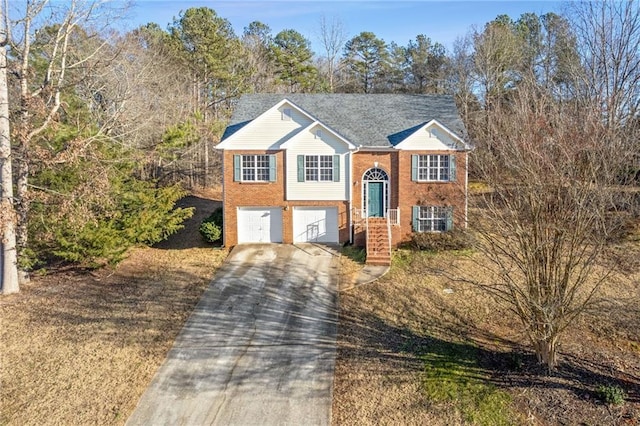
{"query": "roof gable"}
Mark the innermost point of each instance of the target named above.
(368, 120)
(310, 128)
(240, 130)
(432, 136)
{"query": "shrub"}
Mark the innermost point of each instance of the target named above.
(611, 394)
(211, 227)
(456, 239)
(210, 232)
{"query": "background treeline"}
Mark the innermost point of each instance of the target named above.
(108, 129)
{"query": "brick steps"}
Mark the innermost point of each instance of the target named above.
(378, 244)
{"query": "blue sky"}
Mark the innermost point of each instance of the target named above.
(398, 21)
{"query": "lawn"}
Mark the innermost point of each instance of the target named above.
(418, 348)
(80, 347)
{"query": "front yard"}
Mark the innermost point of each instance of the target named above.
(413, 348)
(418, 348)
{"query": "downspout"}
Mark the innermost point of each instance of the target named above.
(224, 219)
(351, 152)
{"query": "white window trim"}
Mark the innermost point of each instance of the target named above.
(255, 168)
(439, 168)
(318, 168)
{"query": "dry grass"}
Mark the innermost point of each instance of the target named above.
(80, 347)
(391, 330)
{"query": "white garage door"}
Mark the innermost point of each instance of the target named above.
(315, 224)
(259, 225)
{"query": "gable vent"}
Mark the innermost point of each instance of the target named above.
(286, 114)
(319, 134)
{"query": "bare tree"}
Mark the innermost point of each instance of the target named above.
(332, 37)
(609, 38)
(551, 212)
(8, 254)
(52, 33)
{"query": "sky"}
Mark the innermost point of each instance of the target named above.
(397, 21)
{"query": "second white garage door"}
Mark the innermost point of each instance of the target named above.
(315, 224)
(260, 225)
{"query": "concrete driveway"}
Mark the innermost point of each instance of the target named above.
(259, 347)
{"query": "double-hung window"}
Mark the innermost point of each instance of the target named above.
(433, 168)
(432, 218)
(254, 168)
(318, 168)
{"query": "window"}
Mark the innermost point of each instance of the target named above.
(318, 168)
(433, 167)
(254, 168)
(432, 218)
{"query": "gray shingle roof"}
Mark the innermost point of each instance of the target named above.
(378, 120)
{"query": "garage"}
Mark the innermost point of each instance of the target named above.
(315, 224)
(259, 225)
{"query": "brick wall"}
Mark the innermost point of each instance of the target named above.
(268, 194)
(405, 193)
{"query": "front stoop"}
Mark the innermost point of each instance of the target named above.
(378, 244)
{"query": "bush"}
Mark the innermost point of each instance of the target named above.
(211, 227)
(611, 394)
(210, 232)
(456, 239)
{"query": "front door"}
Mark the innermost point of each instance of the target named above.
(375, 197)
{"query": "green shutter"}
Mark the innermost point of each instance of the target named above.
(414, 168)
(452, 167)
(237, 160)
(300, 168)
(272, 168)
(336, 168)
(414, 217)
(450, 218)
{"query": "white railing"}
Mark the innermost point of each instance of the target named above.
(392, 214)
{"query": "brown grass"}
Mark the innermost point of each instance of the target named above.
(80, 347)
(386, 327)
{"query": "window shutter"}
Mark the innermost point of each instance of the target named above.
(237, 159)
(273, 172)
(414, 168)
(450, 218)
(300, 168)
(336, 168)
(452, 167)
(414, 216)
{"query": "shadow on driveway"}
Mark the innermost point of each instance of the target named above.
(259, 347)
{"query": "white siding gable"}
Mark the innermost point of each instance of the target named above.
(317, 140)
(269, 130)
(432, 136)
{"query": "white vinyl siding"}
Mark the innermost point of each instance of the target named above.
(270, 130)
(325, 176)
(431, 137)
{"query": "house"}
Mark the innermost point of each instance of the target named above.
(338, 168)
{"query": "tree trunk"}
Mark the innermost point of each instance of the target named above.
(8, 254)
(546, 352)
(22, 208)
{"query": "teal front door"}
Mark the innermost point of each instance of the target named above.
(375, 197)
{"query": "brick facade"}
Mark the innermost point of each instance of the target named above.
(268, 194)
(403, 194)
